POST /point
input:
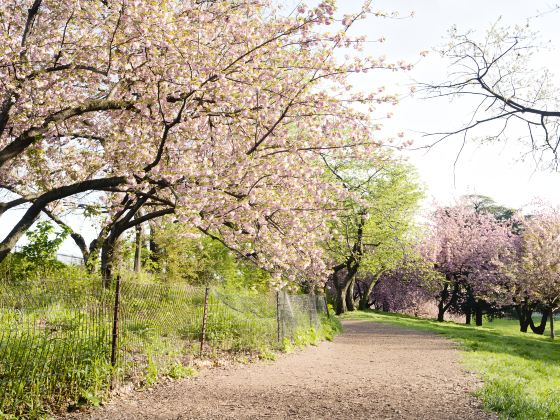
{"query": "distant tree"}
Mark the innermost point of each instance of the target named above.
(371, 233)
(408, 287)
(537, 269)
(186, 255)
(485, 204)
(469, 246)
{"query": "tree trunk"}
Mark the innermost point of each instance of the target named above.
(350, 295)
(341, 299)
(33, 212)
(524, 314)
(468, 315)
(444, 295)
(363, 304)
(155, 252)
(107, 261)
(385, 306)
(138, 249)
(441, 311)
(540, 329)
(478, 313)
(17, 233)
(552, 324)
(342, 290)
(364, 301)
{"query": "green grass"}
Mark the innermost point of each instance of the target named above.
(303, 336)
(55, 337)
(521, 371)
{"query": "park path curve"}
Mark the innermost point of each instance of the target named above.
(372, 371)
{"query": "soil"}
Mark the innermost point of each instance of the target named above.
(371, 371)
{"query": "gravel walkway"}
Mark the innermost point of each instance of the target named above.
(373, 370)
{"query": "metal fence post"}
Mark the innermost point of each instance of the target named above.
(115, 336)
(310, 310)
(278, 314)
(204, 319)
(326, 306)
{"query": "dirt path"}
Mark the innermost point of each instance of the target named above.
(371, 371)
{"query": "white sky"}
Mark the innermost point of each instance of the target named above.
(493, 170)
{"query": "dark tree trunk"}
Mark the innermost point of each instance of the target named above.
(469, 306)
(524, 314)
(364, 301)
(342, 290)
(155, 251)
(468, 315)
(441, 311)
(478, 313)
(341, 299)
(138, 249)
(444, 296)
(337, 272)
(360, 290)
(385, 306)
(363, 304)
(552, 334)
(107, 261)
(540, 329)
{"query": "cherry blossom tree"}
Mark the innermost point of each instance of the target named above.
(218, 112)
(409, 284)
(403, 290)
(537, 270)
(469, 246)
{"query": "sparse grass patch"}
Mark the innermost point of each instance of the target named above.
(521, 371)
(180, 371)
(302, 337)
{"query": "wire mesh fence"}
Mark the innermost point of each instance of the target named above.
(53, 344)
(69, 342)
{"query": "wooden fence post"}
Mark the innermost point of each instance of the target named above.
(115, 336)
(204, 319)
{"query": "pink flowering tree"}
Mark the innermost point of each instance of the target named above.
(536, 270)
(410, 285)
(468, 247)
(219, 112)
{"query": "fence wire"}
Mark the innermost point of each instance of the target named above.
(56, 338)
(53, 344)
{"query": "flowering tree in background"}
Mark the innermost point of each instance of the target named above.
(409, 287)
(218, 112)
(469, 246)
(537, 267)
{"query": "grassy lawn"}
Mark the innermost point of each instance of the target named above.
(521, 371)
